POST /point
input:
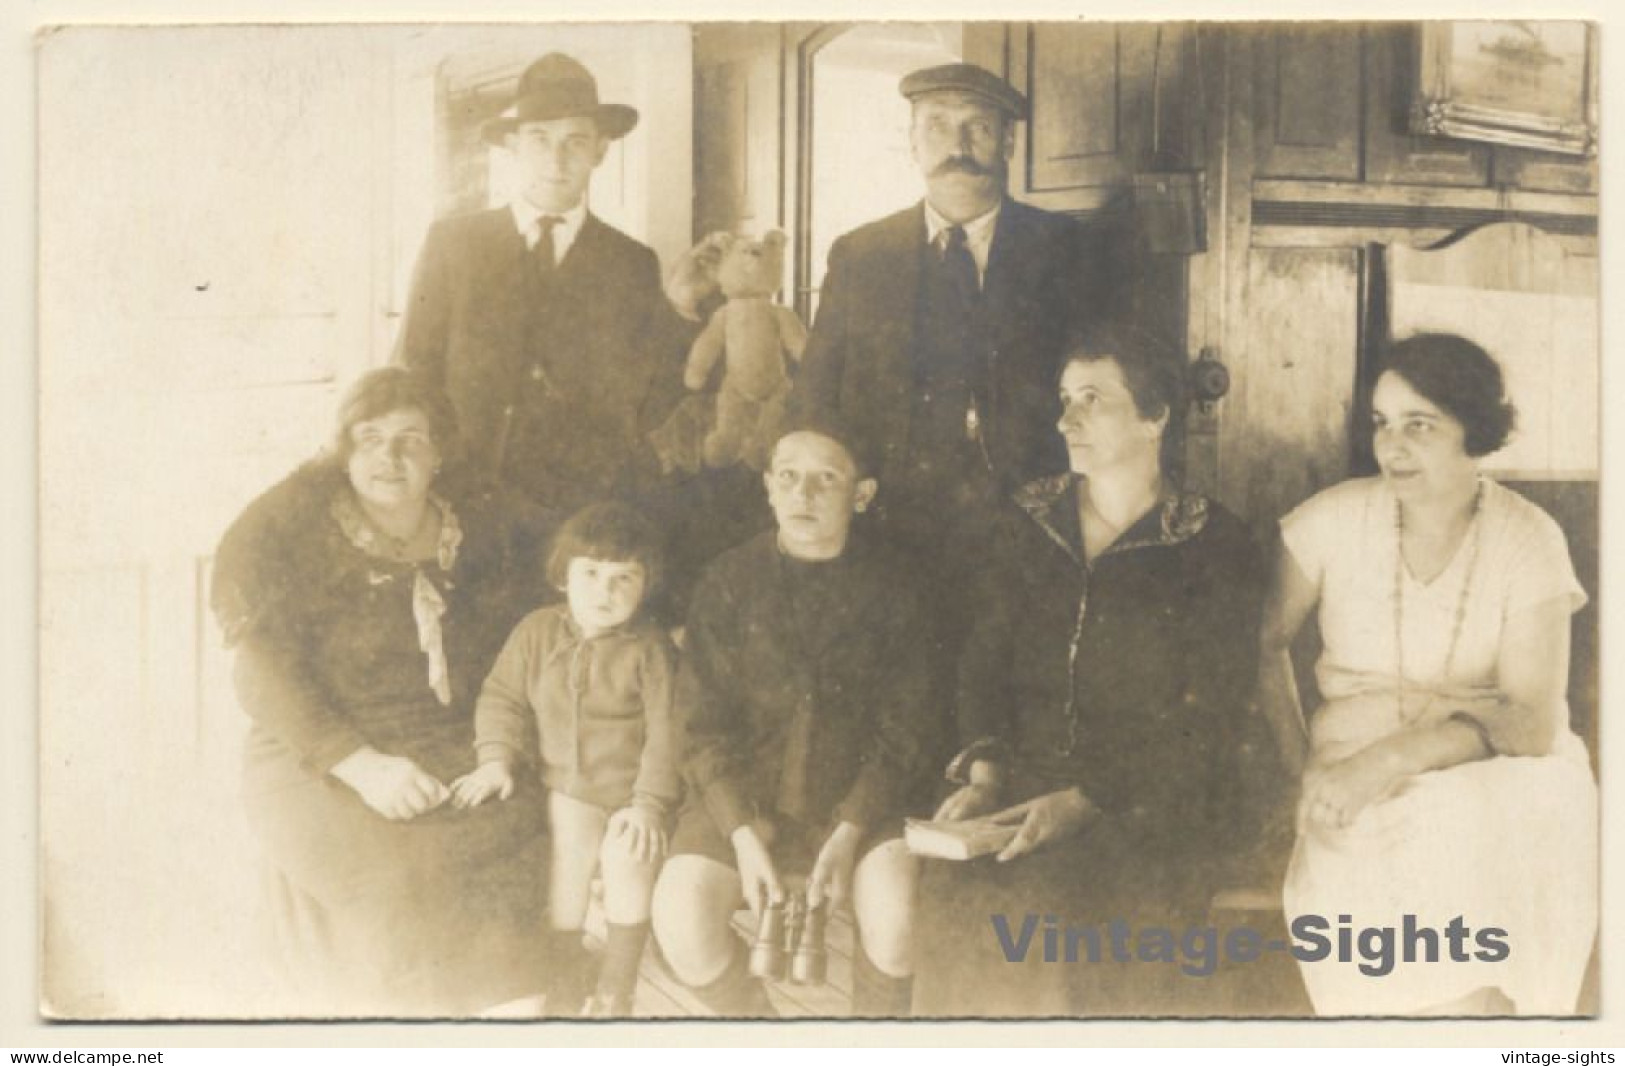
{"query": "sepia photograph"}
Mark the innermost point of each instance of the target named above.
(766, 520)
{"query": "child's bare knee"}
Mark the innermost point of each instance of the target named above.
(889, 944)
(690, 920)
(615, 860)
(884, 904)
(674, 905)
(688, 902)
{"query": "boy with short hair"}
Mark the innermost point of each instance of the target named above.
(805, 723)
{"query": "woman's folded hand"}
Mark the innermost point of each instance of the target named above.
(493, 778)
(394, 786)
(1048, 818)
(1335, 793)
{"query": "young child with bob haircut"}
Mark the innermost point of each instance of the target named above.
(595, 676)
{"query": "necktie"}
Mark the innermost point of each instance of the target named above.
(961, 265)
(541, 253)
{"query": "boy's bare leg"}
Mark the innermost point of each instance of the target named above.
(628, 889)
(883, 888)
(694, 901)
(578, 829)
(629, 883)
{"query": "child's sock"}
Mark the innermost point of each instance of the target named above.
(736, 994)
(623, 951)
(569, 965)
(876, 994)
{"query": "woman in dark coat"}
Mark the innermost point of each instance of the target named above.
(1101, 696)
(365, 601)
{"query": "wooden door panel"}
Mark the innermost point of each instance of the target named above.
(1286, 431)
(1074, 84)
(1090, 90)
(1545, 171)
(1309, 88)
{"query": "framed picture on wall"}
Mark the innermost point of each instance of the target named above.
(1525, 84)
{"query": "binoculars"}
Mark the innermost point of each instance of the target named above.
(789, 941)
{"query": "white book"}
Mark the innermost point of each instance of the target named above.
(960, 840)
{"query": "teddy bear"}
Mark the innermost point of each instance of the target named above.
(755, 342)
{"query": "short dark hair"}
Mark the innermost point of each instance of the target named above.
(830, 423)
(1154, 373)
(611, 533)
(389, 389)
(1459, 378)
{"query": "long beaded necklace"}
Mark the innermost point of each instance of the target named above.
(1399, 597)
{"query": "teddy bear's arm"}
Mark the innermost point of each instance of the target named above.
(706, 350)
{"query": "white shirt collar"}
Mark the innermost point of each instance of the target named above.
(527, 215)
(978, 232)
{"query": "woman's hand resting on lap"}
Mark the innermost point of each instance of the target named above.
(1335, 793)
(1044, 820)
(394, 786)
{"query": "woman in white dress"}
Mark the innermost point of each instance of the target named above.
(1443, 781)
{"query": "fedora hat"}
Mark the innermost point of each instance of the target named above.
(556, 86)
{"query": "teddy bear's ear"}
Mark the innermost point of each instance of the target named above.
(774, 238)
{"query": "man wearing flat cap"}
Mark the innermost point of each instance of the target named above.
(939, 327)
(548, 328)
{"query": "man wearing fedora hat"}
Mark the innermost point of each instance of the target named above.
(938, 335)
(548, 328)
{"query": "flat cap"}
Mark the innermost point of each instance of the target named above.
(966, 78)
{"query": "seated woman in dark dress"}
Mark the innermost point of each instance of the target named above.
(365, 599)
(1100, 697)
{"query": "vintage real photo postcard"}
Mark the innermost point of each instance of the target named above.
(890, 520)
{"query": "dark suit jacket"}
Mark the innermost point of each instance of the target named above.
(554, 394)
(859, 359)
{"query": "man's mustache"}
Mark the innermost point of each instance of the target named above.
(961, 164)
